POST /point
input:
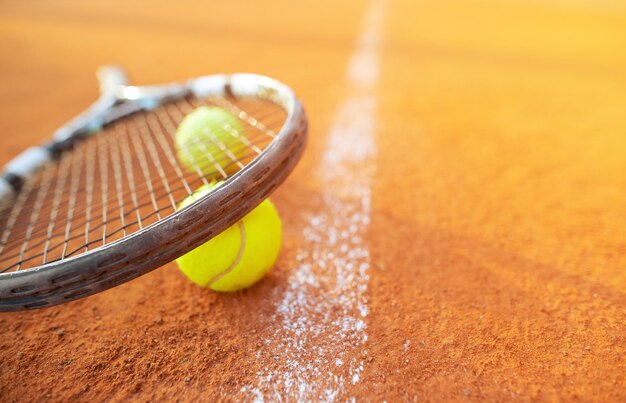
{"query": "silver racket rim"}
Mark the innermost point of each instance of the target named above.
(182, 231)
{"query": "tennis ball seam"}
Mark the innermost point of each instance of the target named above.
(231, 267)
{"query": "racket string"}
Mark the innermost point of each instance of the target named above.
(194, 102)
(38, 204)
(104, 182)
(90, 168)
(120, 181)
(128, 165)
(75, 180)
(151, 123)
(123, 226)
(186, 108)
(245, 116)
(145, 169)
(62, 173)
(171, 118)
(15, 212)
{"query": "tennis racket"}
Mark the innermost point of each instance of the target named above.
(97, 205)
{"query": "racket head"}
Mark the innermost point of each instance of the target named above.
(105, 210)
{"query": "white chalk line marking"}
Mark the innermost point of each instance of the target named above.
(318, 345)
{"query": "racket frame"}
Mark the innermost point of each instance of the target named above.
(182, 231)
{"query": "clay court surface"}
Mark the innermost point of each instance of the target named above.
(456, 229)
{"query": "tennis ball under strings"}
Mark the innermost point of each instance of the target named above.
(209, 137)
(238, 257)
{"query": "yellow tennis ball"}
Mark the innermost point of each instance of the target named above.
(238, 257)
(210, 137)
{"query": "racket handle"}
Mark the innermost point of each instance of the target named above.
(111, 78)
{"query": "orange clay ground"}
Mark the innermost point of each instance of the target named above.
(455, 231)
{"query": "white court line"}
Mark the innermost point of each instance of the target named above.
(317, 345)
